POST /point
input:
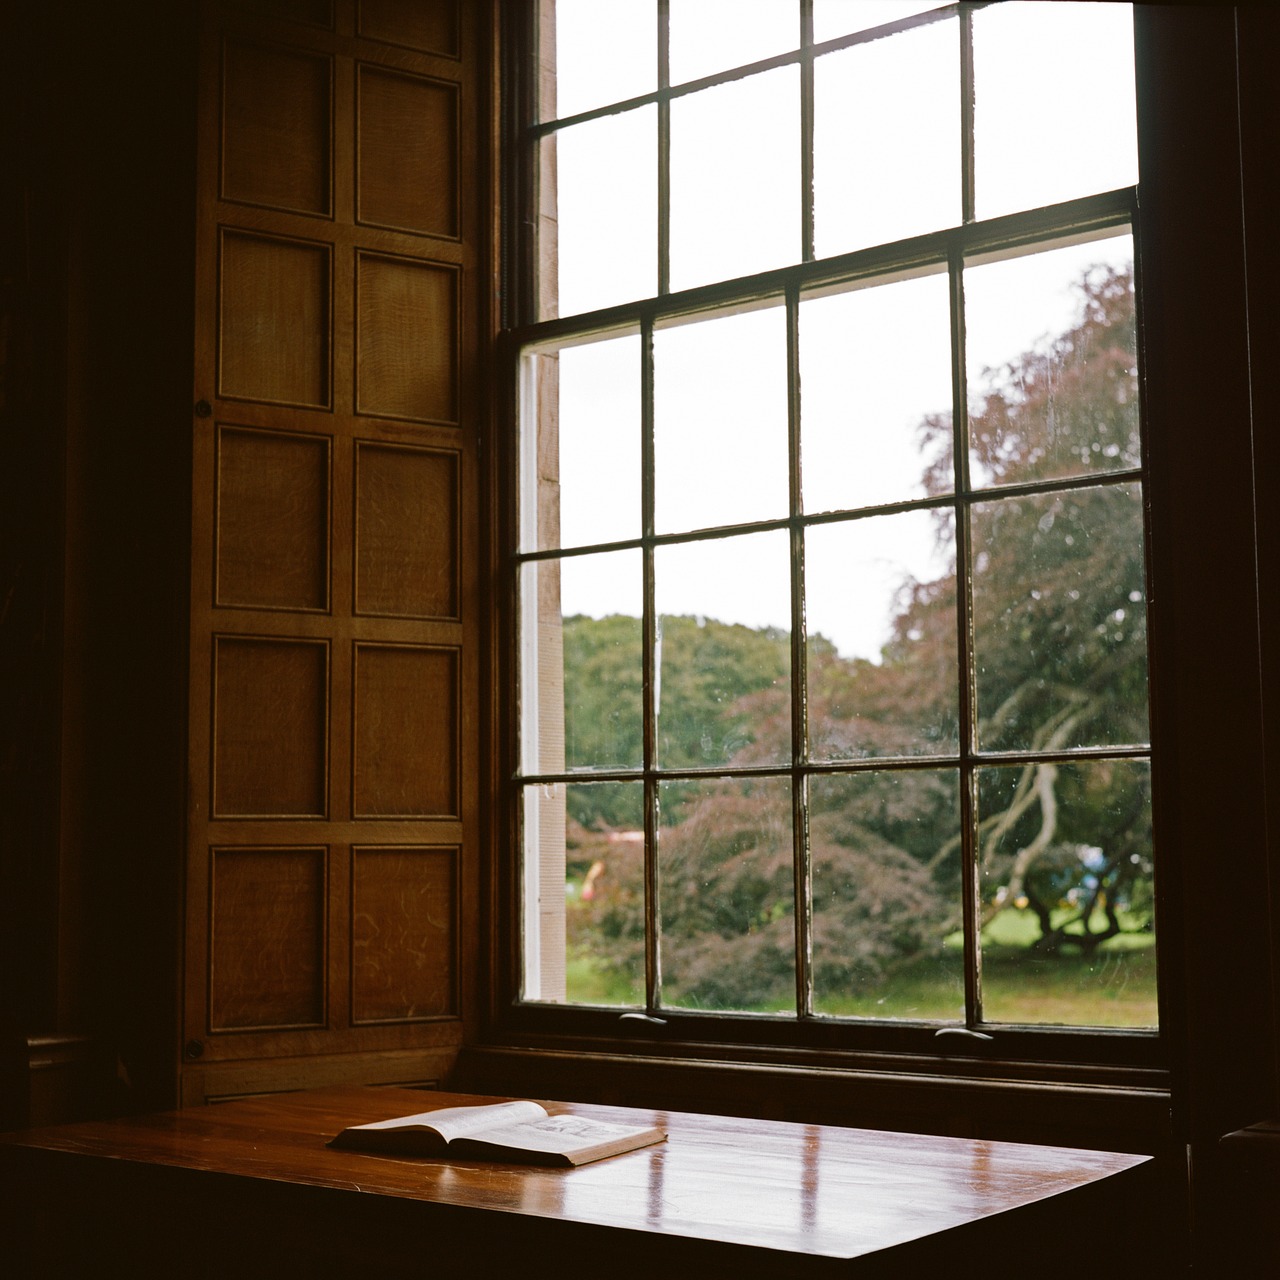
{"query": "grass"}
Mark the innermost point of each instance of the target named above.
(1114, 987)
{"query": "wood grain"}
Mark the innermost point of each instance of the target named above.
(272, 533)
(276, 145)
(267, 962)
(408, 152)
(763, 1197)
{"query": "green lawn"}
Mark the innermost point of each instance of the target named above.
(1115, 987)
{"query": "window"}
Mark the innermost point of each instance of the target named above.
(831, 623)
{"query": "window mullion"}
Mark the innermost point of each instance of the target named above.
(664, 148)
(806, 130)
(649, 707)
(799, 697)
(964, 646)
(966, 114)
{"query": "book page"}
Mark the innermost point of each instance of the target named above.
(458, 1122)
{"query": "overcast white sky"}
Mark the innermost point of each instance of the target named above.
(1054, 119)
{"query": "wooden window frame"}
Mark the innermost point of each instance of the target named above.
(1188, 181)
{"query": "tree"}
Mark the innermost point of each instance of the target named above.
(1059, 645)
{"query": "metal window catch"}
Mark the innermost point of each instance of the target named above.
(646, 1018)
(962, 1031)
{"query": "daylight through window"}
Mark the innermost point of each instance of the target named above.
(831, 638)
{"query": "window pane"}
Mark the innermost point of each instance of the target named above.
(582, 476)
(1052, 363)
(875, 383)
(880, 609)
(581, 665)
(598, 238)
(1053, 103)
(583, 877)
(1059, 620)
(714, 35)
(604, 891)
(720, 421)
(1065, 877)
(832, 18)
(727, 895)
(886, 139)
(735, 179)
(723, 659)
(887, 904)
(604, 53)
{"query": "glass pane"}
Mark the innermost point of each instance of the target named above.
(886, 139)
(1052, 363)
(887, 902)
(1065, 878)
(727, 895)
(720, 421)
(581, 672)
(597, 224)
(1053, 103)
(723, 658)
(875, 384)
(713, 35)
(1060, 620)
(880, 609)
(585, 469)
(735, 179)
(832, 18)
(604, 892)
(604, 53)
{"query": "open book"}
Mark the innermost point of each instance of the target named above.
(519, 1132)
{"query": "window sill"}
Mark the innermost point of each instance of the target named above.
(1113, 1108)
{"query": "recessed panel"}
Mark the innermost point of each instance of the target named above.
(316, 13)
(405, 739)
(403, 936)
(406, 532)
(273, 330)
(406, 339)
(275, 128)
(408, 152)
(429, 25)
(273, 520)
(266, 963)
(270, 718)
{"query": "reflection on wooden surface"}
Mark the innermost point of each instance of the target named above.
(757, 1189)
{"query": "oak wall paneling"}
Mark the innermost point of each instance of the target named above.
(331, 862)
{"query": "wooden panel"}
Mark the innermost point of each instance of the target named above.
(276, 128)
(273, 334)
(316, 13)
(270, 723)
(272, 532)
(403, 934)
(405, 732)
(408, 152)
(406, 339)
(266, 939)
(406, 529)
(429, 25)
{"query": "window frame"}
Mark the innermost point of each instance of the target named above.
(1138, 1062)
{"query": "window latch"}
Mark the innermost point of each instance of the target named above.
(962, 1031)
(646, 1018)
